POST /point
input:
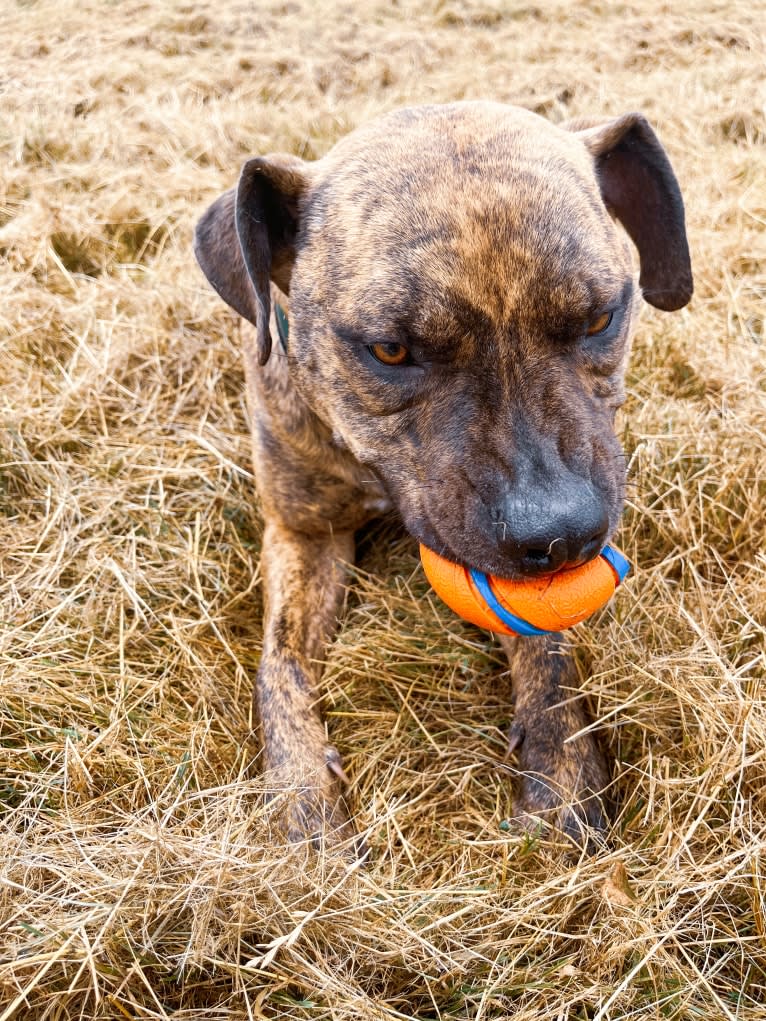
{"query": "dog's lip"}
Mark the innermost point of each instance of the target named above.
(428, 535)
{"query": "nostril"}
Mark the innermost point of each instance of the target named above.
(537, 554)
(536, 561)
(550, 559)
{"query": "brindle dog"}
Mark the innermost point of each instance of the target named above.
(460, 302)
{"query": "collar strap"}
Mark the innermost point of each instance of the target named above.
(283, 326)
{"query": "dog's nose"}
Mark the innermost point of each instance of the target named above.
(545, 535)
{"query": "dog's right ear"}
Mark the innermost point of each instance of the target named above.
(247, 238)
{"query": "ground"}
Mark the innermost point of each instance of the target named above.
(139, 874)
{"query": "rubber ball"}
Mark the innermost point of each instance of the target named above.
(531, 606)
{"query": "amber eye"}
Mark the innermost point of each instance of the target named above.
(390, 354)
(599, 325)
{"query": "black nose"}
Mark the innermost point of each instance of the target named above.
(548, 533)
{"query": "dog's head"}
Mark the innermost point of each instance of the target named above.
(460, 310)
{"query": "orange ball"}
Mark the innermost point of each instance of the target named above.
(532, 606)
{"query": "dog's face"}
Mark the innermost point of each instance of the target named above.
(460, 309)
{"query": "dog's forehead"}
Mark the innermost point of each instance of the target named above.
(488, 202)
(440, 158)
(451, 131)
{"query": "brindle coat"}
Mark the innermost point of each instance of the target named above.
(477, 243)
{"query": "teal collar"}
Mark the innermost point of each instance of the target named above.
(283, 327)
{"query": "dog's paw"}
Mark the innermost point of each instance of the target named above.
(308, 791)
(562, 783)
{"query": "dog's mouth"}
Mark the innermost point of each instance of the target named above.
(521, 533)
(532, 563)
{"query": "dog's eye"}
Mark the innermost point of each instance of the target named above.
(391, 354)
(600, 324)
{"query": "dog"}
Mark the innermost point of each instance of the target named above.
(453, 300)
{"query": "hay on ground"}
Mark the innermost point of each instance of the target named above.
(139, 874)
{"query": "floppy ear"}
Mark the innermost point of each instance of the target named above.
(639, 188)
(247, 238)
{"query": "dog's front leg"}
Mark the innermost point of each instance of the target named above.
(563, 779)
(304, 588)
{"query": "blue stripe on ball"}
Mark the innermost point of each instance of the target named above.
(620, 563)
(517, 624)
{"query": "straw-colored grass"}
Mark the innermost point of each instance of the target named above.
(139, 876)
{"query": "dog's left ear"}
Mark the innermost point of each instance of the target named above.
(639, 188)
(247, 238)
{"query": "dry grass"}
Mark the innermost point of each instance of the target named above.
(138, 875)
